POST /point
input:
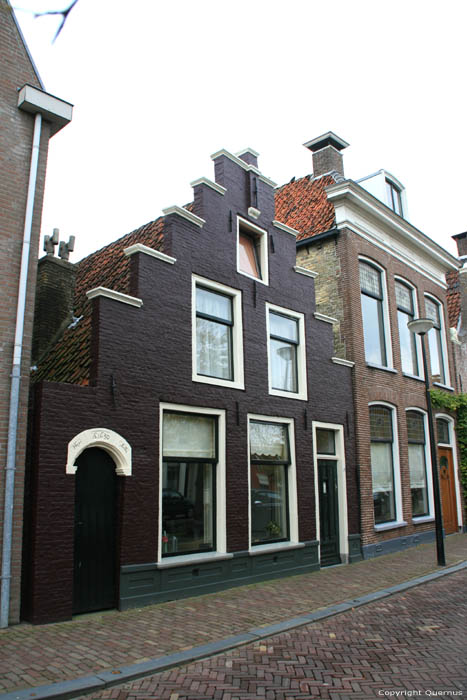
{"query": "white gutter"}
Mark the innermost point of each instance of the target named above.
(16, 380)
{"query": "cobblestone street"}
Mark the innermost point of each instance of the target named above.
(414, 642)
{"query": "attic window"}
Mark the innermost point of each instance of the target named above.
(394, 197)
(252, 252)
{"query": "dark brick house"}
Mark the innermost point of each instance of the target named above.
(192, 428)
(29, 117)
(375, 272)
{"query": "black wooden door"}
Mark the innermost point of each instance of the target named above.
(95, 528)
(328, 512)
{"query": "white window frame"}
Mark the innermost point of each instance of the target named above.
(339, 458)
(386, 319)
(399, 521)
(291, 485)
(444, 347)
(452, 444)
(238, 381)
(262, 236)
(429, 471)
(302, 393)
(221, 527)
(418, 340)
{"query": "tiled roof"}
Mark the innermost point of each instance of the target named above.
(70, 358)
(303, 205)
(453, 298)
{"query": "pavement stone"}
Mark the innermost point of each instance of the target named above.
(97, 644)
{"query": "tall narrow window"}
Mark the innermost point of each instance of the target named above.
(269, 498)
(435, 342)
(283, 344)
(442, 428)
(417, 463)
(190, 455)
(382, 464)
(405, 313)
(372, 312)
(249, 261)
(214, 322)
(394, 197)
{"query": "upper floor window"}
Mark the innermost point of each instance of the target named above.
(435, 340)
(408, 343)
(252, 253)
(442, 428)
(382, 464)
(286, 349)
(217, 334)
(394, 197)
(372, 298)
(417, 463)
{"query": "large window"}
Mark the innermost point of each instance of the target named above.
(269, 482)
(189, 460)
(373, 314)
(252, 250)
(217, 334)
(435, 340)
(286, 349)
(417, 463)
(382, 464)
(408, 343)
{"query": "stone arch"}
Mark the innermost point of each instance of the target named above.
(113, 443)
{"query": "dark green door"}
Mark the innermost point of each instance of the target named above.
(328, 512)
(95, 526)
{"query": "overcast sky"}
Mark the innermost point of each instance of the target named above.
(158, 86)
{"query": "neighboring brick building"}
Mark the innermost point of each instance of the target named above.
(24, 138)
(375, 272)
(196, 397)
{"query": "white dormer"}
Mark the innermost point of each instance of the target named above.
(387, 189)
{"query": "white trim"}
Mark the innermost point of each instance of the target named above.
(444, 348)
(247, 150)
(302, 393)
(262, 235)
(113, 443)
(221, 526)
(116, 296)
(209, 183)
(339, 458)
(185, 214)
(254, 213)
(284, 227)
(428, 468)
(453, 446)
(53, 109)
(238, 382)
(184, 559)
(291, 482)
(242, 164)
(386, 318)
(396, 469)
(304, 271)
(326, 319)
(140, 248)
(274, 547)
(416, 312)
(341, 361)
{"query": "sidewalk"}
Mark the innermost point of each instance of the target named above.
(33, 656)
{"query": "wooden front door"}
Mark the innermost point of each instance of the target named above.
(328, 512)
(95, 526)
(447, 488)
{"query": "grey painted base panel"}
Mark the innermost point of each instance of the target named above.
(123, 674)
(145, 584)
(397, 544)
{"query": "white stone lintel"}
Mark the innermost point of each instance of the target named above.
(116, 296)
(140, 248)
(323, 317)
(284, 227)
(185, 214)
(209, 183)
(305, 271)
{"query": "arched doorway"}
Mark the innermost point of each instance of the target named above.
(95, 561)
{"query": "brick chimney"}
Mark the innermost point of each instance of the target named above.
(54, 297)
(327, 156)
(461, 240)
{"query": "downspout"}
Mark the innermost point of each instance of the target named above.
(16, 380)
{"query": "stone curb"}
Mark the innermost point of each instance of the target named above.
(123, 674)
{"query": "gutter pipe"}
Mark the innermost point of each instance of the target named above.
(16, 380)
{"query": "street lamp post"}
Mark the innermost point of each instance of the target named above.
(421, 326)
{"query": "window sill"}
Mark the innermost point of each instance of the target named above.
(413, 376)
(444, 386)
(218, 382)
(423, 519)
(274, 547)
(385, 369)
(288, 394)
(187, 559)
(390, 526)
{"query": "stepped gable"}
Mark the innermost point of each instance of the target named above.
(453, 298)
(69, 360)
(303, 205)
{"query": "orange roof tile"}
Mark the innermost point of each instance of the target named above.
(303, 205)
